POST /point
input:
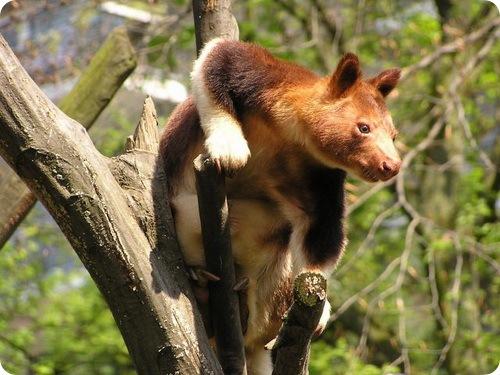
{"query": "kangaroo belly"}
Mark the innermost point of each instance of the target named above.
(259, 237)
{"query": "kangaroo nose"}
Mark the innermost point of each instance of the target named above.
(390, 168)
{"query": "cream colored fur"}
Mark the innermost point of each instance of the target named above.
(224, 139)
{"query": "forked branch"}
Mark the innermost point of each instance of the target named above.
(124, 237)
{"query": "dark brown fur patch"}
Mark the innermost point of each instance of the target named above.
(181, 133)
(345, 76)
(244, 77)
(325, 239)
(386, 81)
(319, 193)
(279, 237)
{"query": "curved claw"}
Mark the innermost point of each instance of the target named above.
(323, 321)
(242, 284)
(192, 274)
(208, 275)
(201, 276)
(270, 344)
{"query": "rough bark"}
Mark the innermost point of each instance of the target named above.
(111, 65)
(291, 349)
(123, 237)
(212, 19)
(223, 300)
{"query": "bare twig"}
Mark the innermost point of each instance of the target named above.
(293, 9)
(455, 293)
(434, 290)
(458, 44)
(331, 26)
(368, 239)
(468, 133)
(366, 290)
(367, 195)
(403, 267)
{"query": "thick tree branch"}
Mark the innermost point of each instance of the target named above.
(139, 272)
(111, 65)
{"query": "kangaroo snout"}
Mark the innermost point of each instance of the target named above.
(389, 168)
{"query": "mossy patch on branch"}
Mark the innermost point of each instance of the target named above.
(309, 288)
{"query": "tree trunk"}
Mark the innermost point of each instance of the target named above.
(123, 237)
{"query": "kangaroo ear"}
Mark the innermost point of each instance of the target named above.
(346, 74)
(386, 81)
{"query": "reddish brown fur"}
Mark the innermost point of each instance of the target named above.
(245, 78)
(249, 86)
(181, 133)
(304, 133)
(248, 82)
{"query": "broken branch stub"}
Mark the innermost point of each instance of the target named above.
(146, 136)
(291, 349)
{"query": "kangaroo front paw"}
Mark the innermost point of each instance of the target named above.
(323, 321)
(228, 148)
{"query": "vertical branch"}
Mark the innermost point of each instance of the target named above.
(224, 303)
(213, 18)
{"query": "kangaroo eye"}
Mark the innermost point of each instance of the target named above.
(364, 128)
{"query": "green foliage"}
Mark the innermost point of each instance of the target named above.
(52, 318)
(341, 359)
(110, 140)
